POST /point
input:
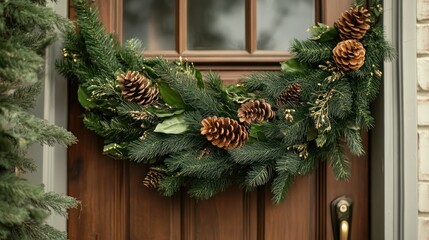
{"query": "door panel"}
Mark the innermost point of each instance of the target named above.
(116, 205)
(357, 189)
(294, 218)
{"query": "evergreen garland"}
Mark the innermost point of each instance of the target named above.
(188, 136)
(27, 27)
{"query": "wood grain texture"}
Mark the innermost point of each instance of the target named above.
(99, 182)
(294, 218)
(227, 216)
(152, 216)
(358, 189)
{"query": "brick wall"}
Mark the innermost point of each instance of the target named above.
(423, 115)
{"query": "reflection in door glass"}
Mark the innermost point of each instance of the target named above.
(216, 25)
(152, 21)
(280, 21)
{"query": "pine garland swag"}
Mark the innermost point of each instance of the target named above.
(266, 130)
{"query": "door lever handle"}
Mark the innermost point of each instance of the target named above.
(341, 215)
(344, 230)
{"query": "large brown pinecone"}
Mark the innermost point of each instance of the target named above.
(255, 111)
(152, 179)
(349, 55)
(224, 132)
(137, 88)
(292, 94)
(353, 23)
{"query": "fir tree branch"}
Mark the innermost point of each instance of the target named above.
(280, 186)
(207, 188)
(159, 144)
(170, 185)
(258, 176)
(257, 152)
(187, 87)
(309, 51)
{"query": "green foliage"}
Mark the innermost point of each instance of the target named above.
(325, 119)
(155, 145)
(188, 88)
(26, 29)
(311, 51)
(280, 186)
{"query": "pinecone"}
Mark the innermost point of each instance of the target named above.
(224, 132)
(152, 179)
(349, 55)
(137, 88)
(353, 23)
(255, 111)
(292, 94)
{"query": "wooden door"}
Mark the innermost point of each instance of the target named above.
(116, 205)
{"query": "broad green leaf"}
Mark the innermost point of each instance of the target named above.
(114, 150)
(311, 135)
(173, 125)
(321, 140)
(323, 33)
(199, 77)
(257, 132)
(150, 72)
(293, 65)
(238, 93)
(329, 35)
(163, 113)
(83, 98)
(170, 96)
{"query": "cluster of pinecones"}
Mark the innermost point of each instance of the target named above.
(228, 133)
(353, 24)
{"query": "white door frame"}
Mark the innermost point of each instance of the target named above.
(393, 167)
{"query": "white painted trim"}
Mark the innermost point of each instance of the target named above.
(409, 127)
(55, 112)
(394, 139)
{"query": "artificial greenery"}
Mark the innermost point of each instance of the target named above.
(26, 29)
(169, 136)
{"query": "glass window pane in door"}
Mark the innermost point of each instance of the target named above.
(278, 22)
(216, 25)
(152, 21)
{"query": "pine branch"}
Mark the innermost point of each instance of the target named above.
(339, 163)
(115, 130)
(280, 186)
(195, 165)
(35, 230)
(340, 104)
(130, 55)
(99, 45)
(207, 188)
(258, 176)
(295, 132)
(257, 152)
(170, 185)
(309, 51)
(354, 141)
(289, 162)
(188, 88)
(158, 144)
(51, 201)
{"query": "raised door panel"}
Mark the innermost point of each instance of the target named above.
(152, 216)
(294, 218)
(357, 188)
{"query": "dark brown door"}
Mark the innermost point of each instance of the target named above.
(116, 205)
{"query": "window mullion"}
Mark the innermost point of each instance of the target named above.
(181, 25)
(251, 26)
